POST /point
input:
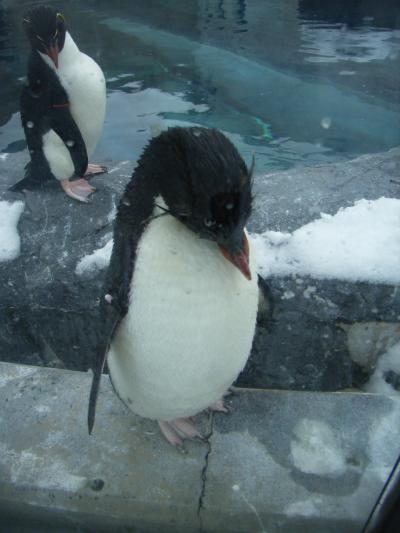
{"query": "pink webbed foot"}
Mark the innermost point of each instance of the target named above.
(219, 406)
(78, 189)
(176, 431)
(95, 169)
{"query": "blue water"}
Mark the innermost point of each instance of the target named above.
(298, 83)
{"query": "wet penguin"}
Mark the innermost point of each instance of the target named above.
(62, 106)
(179, 308)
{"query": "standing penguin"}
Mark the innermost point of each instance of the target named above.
(62, 106)
(179, 308)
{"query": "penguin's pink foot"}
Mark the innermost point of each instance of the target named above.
(95, 169)
(219, 406)
(78, 189)
(175, 431)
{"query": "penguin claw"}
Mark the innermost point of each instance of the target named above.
(219, 406)
(78, 189)
(171, 435)
(186, 429)
(175, 431)
(95, 169)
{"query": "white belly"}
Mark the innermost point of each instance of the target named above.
(84, 83)
(86, 89)
(189, 328)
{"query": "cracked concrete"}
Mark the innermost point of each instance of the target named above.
(124, 475)
(294, 462)
(204, 473)
(282, 461)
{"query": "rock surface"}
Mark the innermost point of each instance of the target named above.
(282, 461)
(48, 312)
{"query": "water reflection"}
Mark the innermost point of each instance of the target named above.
(346, 31)
(353, 14)
(265, 71)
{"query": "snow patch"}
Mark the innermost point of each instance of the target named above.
(9, 239)
(358, 243)
(306, 508)
(387, 370)
(383, 443)
(288, 295)
(93, 263)
(16, 372)
(42, 409)
(316, 449)
(27, 468)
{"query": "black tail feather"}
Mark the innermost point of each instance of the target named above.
(25, 183)
(32, 179)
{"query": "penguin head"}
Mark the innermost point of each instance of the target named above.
(46, 31)
(207, 186)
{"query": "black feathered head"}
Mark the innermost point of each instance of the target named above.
(46, 30)
(206, 185)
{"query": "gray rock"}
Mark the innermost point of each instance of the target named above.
(296, 462)
(304, 344)
(287, 200)
(49, 313)
(48, 309)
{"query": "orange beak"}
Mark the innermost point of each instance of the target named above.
(239, 259)
(52, 52)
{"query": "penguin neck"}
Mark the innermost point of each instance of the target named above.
(67, 55)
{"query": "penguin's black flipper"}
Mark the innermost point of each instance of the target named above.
(134, 213)
(113, 307)
(111, 317)
(34, 105)
(32, 179)
(44, 106)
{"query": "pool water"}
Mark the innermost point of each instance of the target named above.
(296, 82)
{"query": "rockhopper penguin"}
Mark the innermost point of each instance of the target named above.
(62, 106)
(179, 308)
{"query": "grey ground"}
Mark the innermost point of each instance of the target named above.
(254, 474)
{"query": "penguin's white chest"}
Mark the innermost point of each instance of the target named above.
(189, 328)
(84, 83)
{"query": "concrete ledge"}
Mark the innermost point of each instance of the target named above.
(282, 461)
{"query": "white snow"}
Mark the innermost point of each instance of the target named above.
(287, 295)
(306, 508)
(98, 260)
(16, 372)
(383, 441)
(389, 361)
(316, 449)
(29, 468)
(9, 238)
(358, 243)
